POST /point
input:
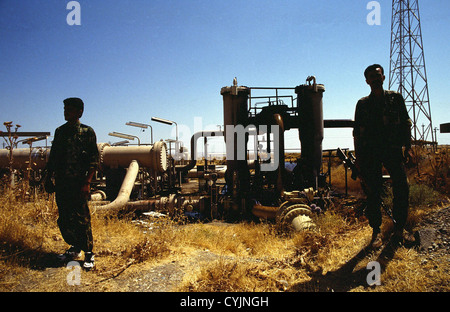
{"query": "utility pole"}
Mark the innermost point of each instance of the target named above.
(407, 72)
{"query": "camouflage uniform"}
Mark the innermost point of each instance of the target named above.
(382, 127)
(74, 152)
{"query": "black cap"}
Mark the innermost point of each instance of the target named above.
(75, 102)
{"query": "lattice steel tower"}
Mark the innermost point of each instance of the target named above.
(407, 73)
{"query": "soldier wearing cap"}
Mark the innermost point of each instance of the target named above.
(382, 137)
(73, 161)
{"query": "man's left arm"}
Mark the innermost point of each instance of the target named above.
(406, 125)
(93, 162)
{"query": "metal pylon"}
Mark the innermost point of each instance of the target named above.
(407, 73)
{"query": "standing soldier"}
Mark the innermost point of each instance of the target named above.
(73, 161)
(382, 137)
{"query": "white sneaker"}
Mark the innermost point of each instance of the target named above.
(70, 254)
(88, 261)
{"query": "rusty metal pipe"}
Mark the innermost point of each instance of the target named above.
(265, 212)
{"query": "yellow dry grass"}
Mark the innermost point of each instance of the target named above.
(244, 256)
(247, 256)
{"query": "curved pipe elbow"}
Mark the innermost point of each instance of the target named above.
(194, 138)
(125, 189)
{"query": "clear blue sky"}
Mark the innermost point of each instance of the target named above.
(131, 60)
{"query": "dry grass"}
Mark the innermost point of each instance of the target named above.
(248, 257)
(409, 272)
(30, 240)
(338, 180)
(243, 256)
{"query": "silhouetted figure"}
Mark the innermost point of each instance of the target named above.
(382, 137)
(73, 161)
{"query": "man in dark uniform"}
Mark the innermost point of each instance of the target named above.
(382, 137)
(73, 160)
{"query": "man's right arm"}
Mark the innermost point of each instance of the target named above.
(51, 164)
(357, 128)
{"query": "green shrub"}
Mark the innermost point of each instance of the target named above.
(421, 195)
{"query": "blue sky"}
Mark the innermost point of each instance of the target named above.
(131, 60)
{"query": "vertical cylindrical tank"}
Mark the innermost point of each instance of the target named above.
(235, 101)
(235, 115)
(310, 114)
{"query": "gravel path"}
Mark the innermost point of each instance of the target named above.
(434, 233)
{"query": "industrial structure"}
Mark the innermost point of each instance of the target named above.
(408, 74)
(148, 178)
(255, 181)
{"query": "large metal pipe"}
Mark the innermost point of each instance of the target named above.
(125, 189)
(281, 169)
(296, 216)
(338, 123)
(22, 156)
(170, 205)
(219, 170)
(265, 212)
(194, 139)
(153, 157)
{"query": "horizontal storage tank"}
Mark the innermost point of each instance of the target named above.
(22, 156)
(153, 157)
